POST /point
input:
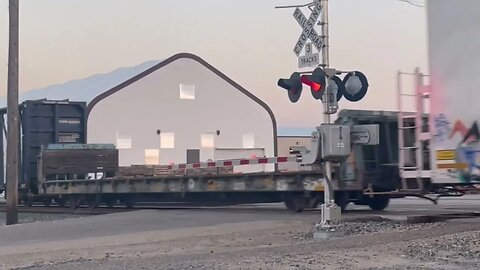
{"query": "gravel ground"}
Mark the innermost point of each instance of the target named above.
(365, 228)
(265, 245)
(461, 249)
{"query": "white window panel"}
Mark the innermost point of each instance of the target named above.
(152, 156)
(187, 91)
(248, 140)
(207, 140)
(123, 141)
(167, 140)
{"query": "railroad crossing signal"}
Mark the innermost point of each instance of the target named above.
(354, 85)
(326, 85)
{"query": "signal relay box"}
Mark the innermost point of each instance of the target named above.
(335, 141)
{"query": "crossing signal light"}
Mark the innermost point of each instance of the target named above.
(353, 87)
(293, 86)
(356, 86)
(316, 81)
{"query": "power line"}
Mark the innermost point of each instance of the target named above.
(413, 3)
(293, 6)
(417, 3)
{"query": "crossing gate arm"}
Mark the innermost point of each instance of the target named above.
(232, 162)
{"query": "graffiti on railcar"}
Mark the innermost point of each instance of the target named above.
(458, 148)
(468, 151)
(442, 127)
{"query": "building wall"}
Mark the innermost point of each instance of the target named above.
(454, 46)
(284, 144)
(131, 117)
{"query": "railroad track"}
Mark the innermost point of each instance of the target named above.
(357, 215)
(66, 210)
(403, 207)
(108, 210)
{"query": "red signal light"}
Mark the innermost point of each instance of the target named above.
(315, 86)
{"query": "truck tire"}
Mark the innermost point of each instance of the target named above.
(378, 203)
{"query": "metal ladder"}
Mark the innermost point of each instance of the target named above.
(413, 137)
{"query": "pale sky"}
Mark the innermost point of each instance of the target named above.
(248, 40)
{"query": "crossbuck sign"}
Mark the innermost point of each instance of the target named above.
(308, 33)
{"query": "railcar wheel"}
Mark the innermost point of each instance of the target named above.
(47, 201)
(315, 202)
(27, 201)
(378, 203)
(296, 204)
(74, 201)
(342, 199)
(110, 202)
(60, 202)
(93, 201)
(129, 202)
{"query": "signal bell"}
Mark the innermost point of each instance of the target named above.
(356, 86)
(293, 86)
(336, 85)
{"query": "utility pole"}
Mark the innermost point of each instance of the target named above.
(329, 208)
(13, 128)
(325, 34)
